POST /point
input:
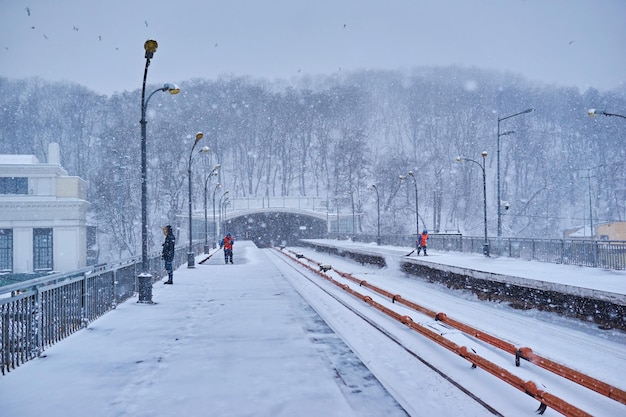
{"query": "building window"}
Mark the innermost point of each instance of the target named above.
(13, 185)
(42, 249)
(6, 250)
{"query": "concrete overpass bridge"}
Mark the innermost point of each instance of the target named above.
(270, 221)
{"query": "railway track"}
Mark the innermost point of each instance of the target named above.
(570, 392)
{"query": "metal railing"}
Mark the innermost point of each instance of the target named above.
(609, 254)
(37, 313)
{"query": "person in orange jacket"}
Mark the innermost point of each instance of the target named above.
(227, 243)
(422, 240)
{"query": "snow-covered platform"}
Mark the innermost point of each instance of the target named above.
(231, 340)
(224, 340)
(589, 293)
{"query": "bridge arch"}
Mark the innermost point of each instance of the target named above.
(276, 226)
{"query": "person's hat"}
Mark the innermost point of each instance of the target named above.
(425, 231)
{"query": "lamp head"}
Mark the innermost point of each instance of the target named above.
(595, 112)
(199, 136)
(484, 154)
(401, 177)
(217, 167)
(150, 46)
(411, 173)
(459, 159)
(171, 88)
(205, 149)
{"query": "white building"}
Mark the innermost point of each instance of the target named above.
(43, 215)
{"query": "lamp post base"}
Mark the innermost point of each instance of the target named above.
(191, 258)
(144, 288)
(206, 249)
(486, 249)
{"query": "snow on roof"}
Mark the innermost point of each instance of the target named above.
(582, 232)
(18, 159)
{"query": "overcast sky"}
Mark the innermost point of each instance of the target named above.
(99, 44)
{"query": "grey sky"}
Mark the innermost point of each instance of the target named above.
(99, 44)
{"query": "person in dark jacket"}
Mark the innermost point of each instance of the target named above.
(227, 244)
(421, 242)
(168, 252)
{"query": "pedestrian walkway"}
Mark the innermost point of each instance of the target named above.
(224, 340)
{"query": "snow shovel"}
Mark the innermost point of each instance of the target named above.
(209, 257)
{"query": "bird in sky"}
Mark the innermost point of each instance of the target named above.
(27, 11)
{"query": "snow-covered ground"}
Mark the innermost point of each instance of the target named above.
(249, 340)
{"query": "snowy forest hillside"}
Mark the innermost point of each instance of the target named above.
(327, 136)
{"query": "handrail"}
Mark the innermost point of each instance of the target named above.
(37, 313)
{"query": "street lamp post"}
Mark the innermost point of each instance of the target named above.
(498, 164)
(220, 207)
(378, 211)
(218, 185)
(588, 177)
(595, 112)
(482, 167)
(213, 173)
(223, 206)
(336, 200)
(191, 253)
(417, 210)
(350, 193)
(145, 278)
(593, 236)
(337, 207)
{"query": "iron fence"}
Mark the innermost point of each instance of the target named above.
(37, 313)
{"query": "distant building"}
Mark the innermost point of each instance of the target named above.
(611, 231)
(43, 215)
(602, 231)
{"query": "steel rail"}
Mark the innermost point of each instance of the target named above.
(529, 387)
(525, 353)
